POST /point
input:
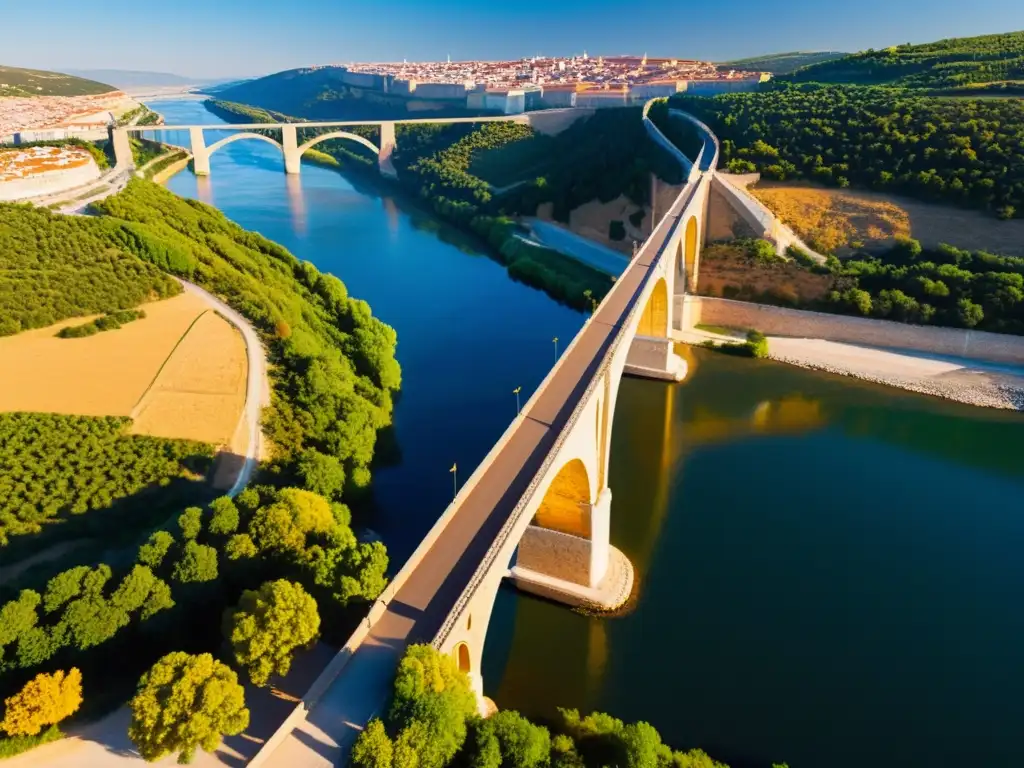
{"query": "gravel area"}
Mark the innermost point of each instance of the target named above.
(967, 381)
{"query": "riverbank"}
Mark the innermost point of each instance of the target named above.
(963, 380)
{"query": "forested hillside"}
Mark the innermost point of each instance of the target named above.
(148, 570)
(38, 82)
(954, 63)
(319, 94)
(960, 151)
(782, 63)
(55, 267)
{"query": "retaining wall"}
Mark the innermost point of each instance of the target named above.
(778, 321)
(758, 216)
(49, 182)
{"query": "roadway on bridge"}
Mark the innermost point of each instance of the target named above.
(423, 603)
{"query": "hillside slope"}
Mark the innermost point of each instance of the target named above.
(783, 63)
(15, 81)
(953, 63)
(320, 94)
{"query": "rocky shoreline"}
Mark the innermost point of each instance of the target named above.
(1004, 392)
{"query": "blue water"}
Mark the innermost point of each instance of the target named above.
(829, 571)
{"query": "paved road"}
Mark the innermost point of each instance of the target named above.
(431, 592)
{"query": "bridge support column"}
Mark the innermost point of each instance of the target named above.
(654, 358)
(200, 156)
(290, 145)
(581, 572)
(387, 148)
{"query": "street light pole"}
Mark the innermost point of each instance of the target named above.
(555, 340)
(516, 392)
(455, 480)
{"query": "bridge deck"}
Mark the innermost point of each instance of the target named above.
(422, 604)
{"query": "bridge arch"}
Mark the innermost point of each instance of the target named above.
(339, 135)
(691, 253)
(654, 320)
(566, 504)
(238, 137)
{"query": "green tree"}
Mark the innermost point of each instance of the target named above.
(153, 552)
(282, 527)
(224, 519)
(322, 474)
(373, 748)
(432, 700)
(198, 563)
(64, 587)
(268, 626)
(185, 703)
(240, 547)
(522, 744)
(191, 522)
(969, 313)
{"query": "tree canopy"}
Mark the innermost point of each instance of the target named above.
(185, 703)
(45, 700)
(959, 151)
(269, 625)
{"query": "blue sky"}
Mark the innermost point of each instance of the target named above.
(223, 38)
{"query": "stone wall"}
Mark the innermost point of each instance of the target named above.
(49, 182)
(777, 321)
(555, 554)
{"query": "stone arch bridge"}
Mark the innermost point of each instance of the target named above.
(545, 121)
(536, 510)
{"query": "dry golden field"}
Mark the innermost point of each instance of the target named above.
(831, 220)
(199, 393)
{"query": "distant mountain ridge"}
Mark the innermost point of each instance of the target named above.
(15, 81)
(128, 78)
(783, 63)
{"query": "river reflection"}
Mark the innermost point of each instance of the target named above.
(829, 575)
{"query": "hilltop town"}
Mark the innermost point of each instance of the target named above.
(527, 83)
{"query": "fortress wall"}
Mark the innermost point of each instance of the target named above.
(49, 182)
(778, 321)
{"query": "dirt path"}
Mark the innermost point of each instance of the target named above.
(257, 389)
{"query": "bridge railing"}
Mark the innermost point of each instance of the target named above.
(658, 240)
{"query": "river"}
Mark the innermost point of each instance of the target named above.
(829, 571)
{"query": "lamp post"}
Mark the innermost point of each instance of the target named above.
(555, 341)
(516, 392)
(455, 480)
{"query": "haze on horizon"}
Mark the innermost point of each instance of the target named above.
(199, 39)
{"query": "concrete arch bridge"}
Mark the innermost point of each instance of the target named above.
(546, 121)
(536, 510)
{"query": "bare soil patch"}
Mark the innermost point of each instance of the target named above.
(832, 220)
(729, 271)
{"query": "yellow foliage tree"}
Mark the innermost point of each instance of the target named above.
(45, 700)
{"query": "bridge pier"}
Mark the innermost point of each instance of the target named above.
(387, 148)
(200, 154)
(655, 358)
(290, 146)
